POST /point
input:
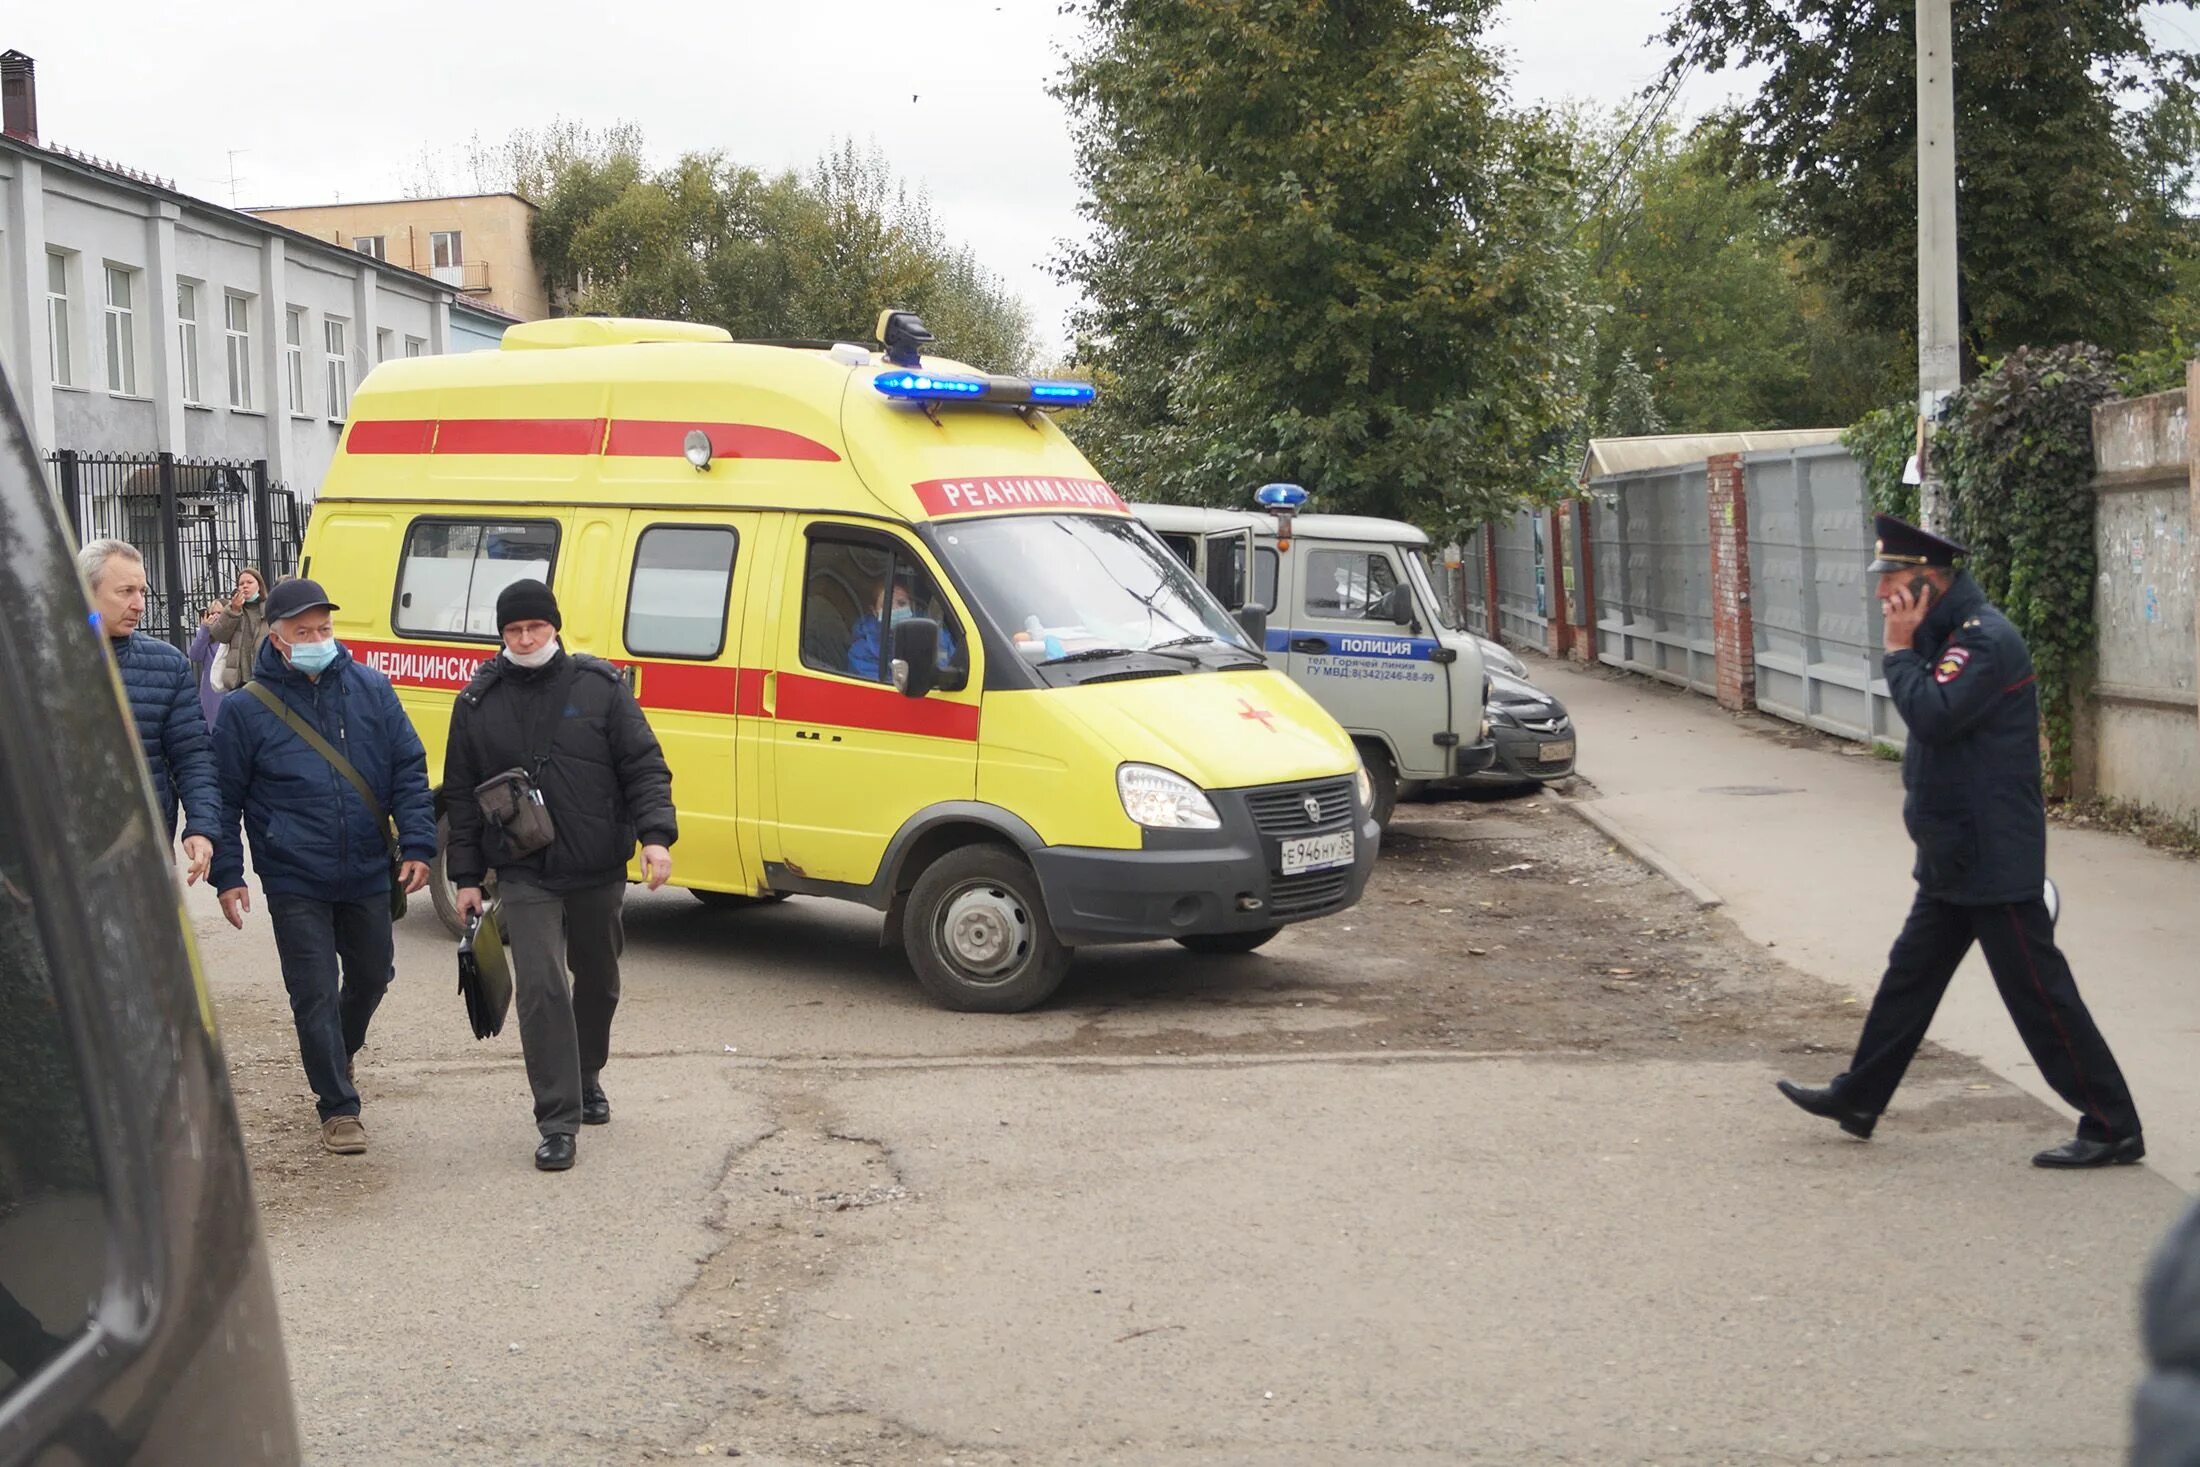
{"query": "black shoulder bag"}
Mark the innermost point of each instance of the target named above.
(326, 750)
(511, 802)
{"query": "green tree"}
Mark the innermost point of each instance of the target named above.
(1322, 250)
(787, 256)
(2069, 123)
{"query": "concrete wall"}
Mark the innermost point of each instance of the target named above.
(94, 218)
(2139, 731)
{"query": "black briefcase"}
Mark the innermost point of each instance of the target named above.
(484, 977)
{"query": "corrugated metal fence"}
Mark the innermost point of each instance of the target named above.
(1816, 620)
(1523, 595)
(1652, 536)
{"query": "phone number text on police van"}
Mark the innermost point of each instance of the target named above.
(1339, 667)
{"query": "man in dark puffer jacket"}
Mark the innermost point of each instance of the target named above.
(573, 725)
(2166, 1418)
(164, 700)
(319, 851)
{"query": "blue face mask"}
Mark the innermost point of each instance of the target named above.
(312, 658)
(899, 615)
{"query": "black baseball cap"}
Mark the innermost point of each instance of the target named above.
(294, 598)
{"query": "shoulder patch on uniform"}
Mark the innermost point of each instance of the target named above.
(1975, 621)
(1951, 663)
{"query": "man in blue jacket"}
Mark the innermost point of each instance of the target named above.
(1962, 679)
(164, 702)
(319, 851)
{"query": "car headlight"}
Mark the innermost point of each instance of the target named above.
(1367, 789)
(1161, 800)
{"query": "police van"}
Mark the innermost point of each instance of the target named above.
(901, 644)
(1352, 616)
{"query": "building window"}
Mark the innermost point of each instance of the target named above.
(382, 340)
(187, 342)
(453, 571)
(676, 601)
(415, 347)
(294, 356)
(339, 367)
(61, 358)
(376, 245)
(443, 249)
(237, 329)
(121, 332)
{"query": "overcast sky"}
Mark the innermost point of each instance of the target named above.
(340, 101)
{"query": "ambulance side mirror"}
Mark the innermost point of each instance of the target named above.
(916, 655)
(1253, 621)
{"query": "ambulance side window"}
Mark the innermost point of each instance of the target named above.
(851, 588)
(453, 570)
(676, 602)
(53, 1211)
(1343, 584)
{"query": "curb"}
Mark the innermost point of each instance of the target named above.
(1705, 898)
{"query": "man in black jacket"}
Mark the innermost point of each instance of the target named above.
(571, 722)
(1962, 679)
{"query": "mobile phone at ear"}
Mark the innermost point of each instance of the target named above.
(1919, 589)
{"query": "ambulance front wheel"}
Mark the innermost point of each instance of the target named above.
(440, 890)
(977, 933)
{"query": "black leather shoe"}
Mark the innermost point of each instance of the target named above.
(1826, 1103)
(555, 1154)
(2079, 1152)
(595, 1106)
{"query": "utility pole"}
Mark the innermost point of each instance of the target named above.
(1939, 352)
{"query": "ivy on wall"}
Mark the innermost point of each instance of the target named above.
(1881, 443)
(2015, 448)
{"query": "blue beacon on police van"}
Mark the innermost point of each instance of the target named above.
(1353, 617)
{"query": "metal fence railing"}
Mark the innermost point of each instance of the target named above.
(197, 522)
(1523, 593)
(1653, 575)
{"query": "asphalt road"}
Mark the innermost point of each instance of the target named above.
(1486, 1171)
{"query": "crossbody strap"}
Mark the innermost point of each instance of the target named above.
(326, 750)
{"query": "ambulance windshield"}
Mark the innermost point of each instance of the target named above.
(1085, 586)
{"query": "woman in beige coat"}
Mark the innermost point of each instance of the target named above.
(239, 623)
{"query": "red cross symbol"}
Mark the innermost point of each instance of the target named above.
(1266, 719)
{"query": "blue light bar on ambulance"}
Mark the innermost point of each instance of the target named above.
(906, 384)
(1286, 497)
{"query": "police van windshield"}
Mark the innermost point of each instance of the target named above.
(1065, 585)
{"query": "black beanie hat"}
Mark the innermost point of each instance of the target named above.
(527, 601)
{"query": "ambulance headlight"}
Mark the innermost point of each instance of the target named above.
(1160, 800)
(1367, 789)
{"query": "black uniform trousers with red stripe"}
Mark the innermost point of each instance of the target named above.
(2018, 939)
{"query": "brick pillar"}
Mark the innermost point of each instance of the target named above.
(1732, 630)
(1489, 581)
(1585, 582)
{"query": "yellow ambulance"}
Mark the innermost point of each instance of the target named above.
(901, 644)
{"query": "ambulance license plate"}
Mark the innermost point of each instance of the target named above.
(1317, 852)
(1557, 753)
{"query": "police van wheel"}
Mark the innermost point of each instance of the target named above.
(1382, 774)
(1223, 944)
(977, 933)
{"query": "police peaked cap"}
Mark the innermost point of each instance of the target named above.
(1901, 546)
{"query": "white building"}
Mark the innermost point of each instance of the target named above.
(137, 319)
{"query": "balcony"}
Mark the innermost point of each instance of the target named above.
(469, 278)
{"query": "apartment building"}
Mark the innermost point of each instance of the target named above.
(477, 244)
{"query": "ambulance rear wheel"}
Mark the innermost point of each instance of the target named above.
(977, 933)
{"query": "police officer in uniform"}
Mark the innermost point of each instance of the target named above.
(1963, 680)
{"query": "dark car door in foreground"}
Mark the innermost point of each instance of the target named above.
(137, 1318)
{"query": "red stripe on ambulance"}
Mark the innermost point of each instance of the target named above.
(574, 437)
(638, 438)
(870, 706)
(978, 496)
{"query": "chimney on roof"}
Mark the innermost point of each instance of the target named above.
(18, 96)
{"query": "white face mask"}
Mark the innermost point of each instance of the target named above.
(537, 658)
